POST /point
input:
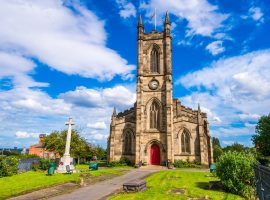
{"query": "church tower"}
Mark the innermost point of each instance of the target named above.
(154, 93)
(158, 129)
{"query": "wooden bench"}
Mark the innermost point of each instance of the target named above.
(134, 186)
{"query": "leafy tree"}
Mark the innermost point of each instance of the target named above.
(217, 150)
(216, 142)
(79, 147)
(262, 137)
(236, 147)
(100, 152)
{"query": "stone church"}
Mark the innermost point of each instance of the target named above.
(158, 129)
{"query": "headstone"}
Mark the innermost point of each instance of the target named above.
(66, 160)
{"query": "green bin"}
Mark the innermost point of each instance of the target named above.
(51, 169)
(93, 166)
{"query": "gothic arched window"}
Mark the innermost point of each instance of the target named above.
(128, 143)
(155, 61)
(185, 142)
(154, 115)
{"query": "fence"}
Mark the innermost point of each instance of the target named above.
(262, 182)
(25, 164)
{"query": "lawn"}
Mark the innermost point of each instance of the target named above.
(33, 180)
(160, 184)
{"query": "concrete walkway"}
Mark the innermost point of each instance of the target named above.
(105, 188)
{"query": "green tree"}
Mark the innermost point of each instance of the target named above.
(262, 137)
(100, 152)
(236, 147)
(217, 150)
(79, 147)
(216, 142)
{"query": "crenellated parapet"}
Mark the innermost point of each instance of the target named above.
(186, 113)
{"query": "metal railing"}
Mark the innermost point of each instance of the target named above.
(262, 174)
(25, 164)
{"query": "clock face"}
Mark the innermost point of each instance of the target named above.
(153, 84)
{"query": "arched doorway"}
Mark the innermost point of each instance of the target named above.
(155, 155)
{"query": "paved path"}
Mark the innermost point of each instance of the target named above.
(105, 188)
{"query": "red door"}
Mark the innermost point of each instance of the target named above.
(155, 155)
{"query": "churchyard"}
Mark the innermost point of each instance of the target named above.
(193, 183)
(34, 180)
(178, 184)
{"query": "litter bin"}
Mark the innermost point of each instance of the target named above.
(93, 166)
(51, 169)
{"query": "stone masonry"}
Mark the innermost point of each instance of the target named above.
(156, 118)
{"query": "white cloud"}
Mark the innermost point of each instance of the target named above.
(94, 135)
(215, 47)
(237, 88)
(225, 132)
(30, 110)
(17, 67)
(118, 96)
(33, 101)
(173, 26)
(256, 14)
(127, 9)
(72, 41)
(24, 134)
(236, 78)
(203, 18)
(248, 116)
(97, 125)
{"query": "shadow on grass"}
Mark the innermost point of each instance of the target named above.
(203, 185)
(212, 185)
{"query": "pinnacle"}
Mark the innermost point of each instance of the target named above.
(167, 20)
(140, 21)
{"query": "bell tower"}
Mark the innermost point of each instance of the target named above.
(154, 108)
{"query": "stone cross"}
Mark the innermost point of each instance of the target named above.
(70, 123)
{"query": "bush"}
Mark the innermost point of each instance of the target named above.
(187, 164)
(235, 170)
(9, 166)
(122, 162)
(44, 164)
(35, 166)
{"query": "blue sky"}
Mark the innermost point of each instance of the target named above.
(78, 58)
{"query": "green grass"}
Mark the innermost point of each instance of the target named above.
(102, 171)
(160, 184)
(33, 180)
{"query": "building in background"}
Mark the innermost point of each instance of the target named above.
(40, 151)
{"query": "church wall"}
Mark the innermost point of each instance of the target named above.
(181, 124)
(118, 139)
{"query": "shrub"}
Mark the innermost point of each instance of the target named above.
(44, 164)
(122, 162)
(9, 166)
(35, 166)
(235, 170)
(187, 164)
